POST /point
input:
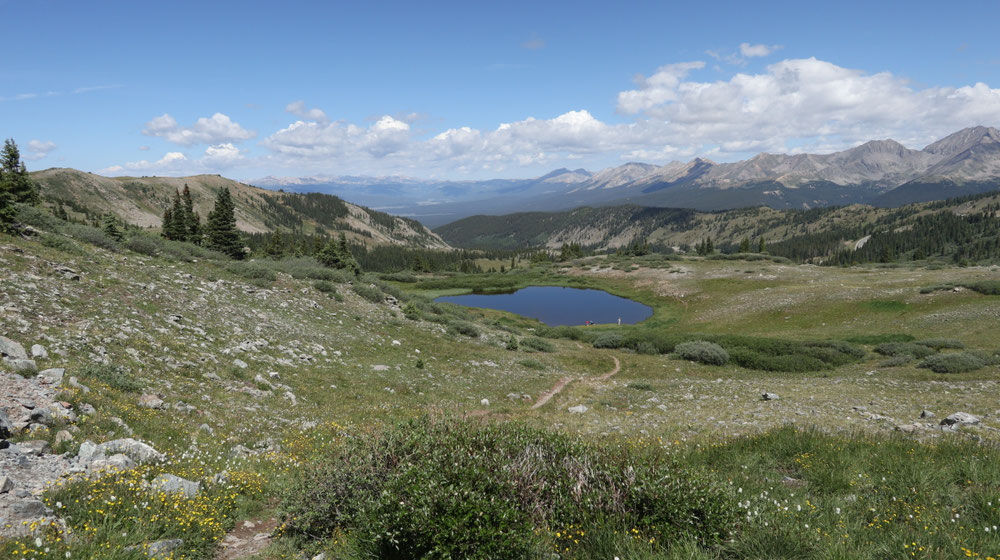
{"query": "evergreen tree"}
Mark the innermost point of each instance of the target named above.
(60, 212)
(276, 246)
(760, 245)
(14, 175)
(335, 254)
(745, 245)
(168, 221)
(192, 222)
(111, 229)
(221, 226)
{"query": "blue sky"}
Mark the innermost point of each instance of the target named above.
(474, 90)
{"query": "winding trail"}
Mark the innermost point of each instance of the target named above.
(563, 382)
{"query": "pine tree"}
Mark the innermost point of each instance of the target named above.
(221, 226)
(336, 254)
(14, 175)
(745, 245)
(276, 246)
(60, 212)
(760, 245)
(192, 222)
(168, 221)
(111, 229)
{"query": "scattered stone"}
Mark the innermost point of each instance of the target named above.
(485, 402)
(34, 447)
(6, 427)
(240, 364)
(42, 416)
(960, 418)
(67, 273)
(212, 376)
(12, 349)
(172, 483)
(380, 368)
(87, 409)
(135, 449)
(519, 396)
(769, 396)
(52, 376)
(22, 366)
(291, 396)
(118, 462)
(6, 484)
(62, 436)
(29, 509)
(907, 428)
(926, 414)
(77, 385)
(151, 401)
(159, 549)
(207, 429)
(578, 409)
(38, 351)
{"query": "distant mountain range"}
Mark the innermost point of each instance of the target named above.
(879, 172)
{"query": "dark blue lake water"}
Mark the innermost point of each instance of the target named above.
(556, 306)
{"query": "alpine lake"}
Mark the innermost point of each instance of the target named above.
(559, 306)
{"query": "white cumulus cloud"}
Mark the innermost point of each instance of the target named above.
(222, 156)
(38, 149)
(169, 163)
(316, 140)
(751, 51)
(216, 129)
(298, 108)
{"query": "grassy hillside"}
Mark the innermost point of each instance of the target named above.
(613, 227)
(361, 420)
(142, 200)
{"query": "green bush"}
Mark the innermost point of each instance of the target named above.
(512, 344)
(703, 352)
(941, 343)
(92, 235)
(609, 340)
(405, 277)
(535, 344)
(325, 287)
(896, 361)
(113, 376)
(62, 243)
(646, 348)
(368, 291)
(880, 338)
(144, 245)
(904, 349)
(531, 363)
(639, 386)
(986, 287)
(252, 271)
(955, 362)
(450, 489)
(463, 328)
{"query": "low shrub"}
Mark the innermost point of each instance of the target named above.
(896, 361)
(535, 344)
(252, 271)
(986, 287)
(941, 343)
(325, 287)
(955, 362)
(531, 363)
(113, 376)
(702, 352)
(61, 243)
(405, 277)
(369, 292)
(880, 338)
(609, 340)
(450, 489)
(639, 386)
(144, 245)
(464, 328)
(904, 349)
(512, 344)
(92, 235)
(646, 348)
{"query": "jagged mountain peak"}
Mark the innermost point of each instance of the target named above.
(963, 140)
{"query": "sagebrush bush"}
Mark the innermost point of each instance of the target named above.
(463, 328)
(904, 349)
(61, 243)
(531, 363)
(405, 277)
(897, 361)
(941, 343)
(954, 362)
(986, 287)
(92, 235)
(325, 287)
(703, 352)
(535, 344)
(368, 291)
(252, 271)
(450, 489)
(113, 376)
(609, 340)
(144, 245)
(512, 344)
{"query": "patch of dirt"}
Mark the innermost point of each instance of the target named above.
(247, 539)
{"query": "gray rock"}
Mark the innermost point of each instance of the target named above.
(77, 385)
(578, 409)
(380, 367)
(42, 416)
(6, 427)
(907, 428)
(88, 450)
(23, 366)
(6, 484)
(39, 351)
(52, 376)
(212, 376)
(171, 483)
(118, 462)
(12, 349)
(151, 401)
(159, 549)
(87, 409)
(207, 429)
(960, 418)
(34, 447)
(769, 396)
(240, 363)
(29, 509)
(926, 414)
(63, 436)
(135, 449)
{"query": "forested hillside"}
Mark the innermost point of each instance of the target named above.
(141, 201)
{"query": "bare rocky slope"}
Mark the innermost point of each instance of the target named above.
(142, 200)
